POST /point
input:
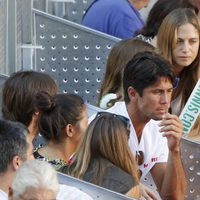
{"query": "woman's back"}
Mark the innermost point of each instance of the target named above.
(111, 177)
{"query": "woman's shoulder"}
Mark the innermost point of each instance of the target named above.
(117, 179)
(115, 173)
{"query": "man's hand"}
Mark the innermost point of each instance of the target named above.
(147, 193)
(172, 128)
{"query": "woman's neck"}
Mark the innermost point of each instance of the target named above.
(177, 69)
(58, 150)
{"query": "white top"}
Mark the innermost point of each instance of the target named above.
(71, 193)
(3, 195)
(105, 99)
(152, 143)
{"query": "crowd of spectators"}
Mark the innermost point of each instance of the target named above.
(148, 79)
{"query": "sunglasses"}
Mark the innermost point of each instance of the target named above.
(139, 157)
(123, 119)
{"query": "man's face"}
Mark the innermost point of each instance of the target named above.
(155, 100)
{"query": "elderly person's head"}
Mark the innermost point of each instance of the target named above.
(35, 180)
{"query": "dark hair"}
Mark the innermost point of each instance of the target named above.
(19, 91)
(56, 112)
(143, 70)
(12, 142)
(159, 11)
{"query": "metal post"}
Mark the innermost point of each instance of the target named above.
(3, 36)
(11, 39)
(27, 35)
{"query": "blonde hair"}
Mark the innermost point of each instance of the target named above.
(166, 41)
(118, 58)
(35, 174)
(106, 137)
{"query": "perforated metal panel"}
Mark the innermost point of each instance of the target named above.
(190, 155)
(76, 10)
(74, 55)
(94, 191)
(191, 160)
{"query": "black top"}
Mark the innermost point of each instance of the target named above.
(113, 178)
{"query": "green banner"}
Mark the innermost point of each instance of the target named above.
(191, 110)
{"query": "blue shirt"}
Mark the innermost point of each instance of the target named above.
(115, 17)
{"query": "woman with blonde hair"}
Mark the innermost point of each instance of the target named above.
(104, 157)
(111, 89)
(178, 41)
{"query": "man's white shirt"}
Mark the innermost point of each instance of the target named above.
(71, 193)
(3, 195)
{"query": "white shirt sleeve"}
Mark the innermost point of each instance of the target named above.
(71, 193)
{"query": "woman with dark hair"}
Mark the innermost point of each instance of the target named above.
(18, 95)
(156, 15)
(62, 122)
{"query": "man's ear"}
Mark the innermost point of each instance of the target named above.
(69, 130)
(16, 162)
(132, 93)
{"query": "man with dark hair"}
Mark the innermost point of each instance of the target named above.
(19, 92)
(155, 134)
(14, 150)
